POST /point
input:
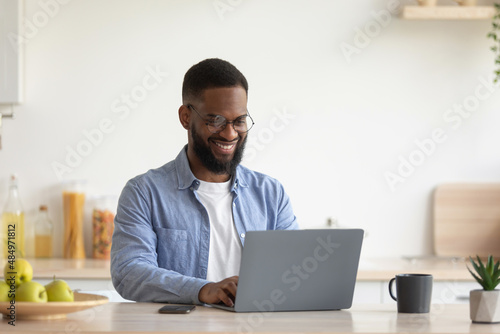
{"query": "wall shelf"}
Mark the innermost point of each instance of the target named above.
(448, 13)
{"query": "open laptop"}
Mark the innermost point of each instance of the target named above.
(297, 270)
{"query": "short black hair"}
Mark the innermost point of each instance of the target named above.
(211, 73)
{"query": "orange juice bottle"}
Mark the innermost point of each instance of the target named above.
(43, 234)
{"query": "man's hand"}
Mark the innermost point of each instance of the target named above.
(223, 291)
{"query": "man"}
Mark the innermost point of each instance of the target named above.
(180, 229)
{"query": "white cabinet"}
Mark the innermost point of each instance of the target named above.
(10, 51)
(443, 292)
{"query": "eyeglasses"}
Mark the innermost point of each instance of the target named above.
(218, 123)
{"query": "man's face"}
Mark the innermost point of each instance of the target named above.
(220, 153)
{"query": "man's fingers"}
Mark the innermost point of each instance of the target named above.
(228, 295)
(226, 299)
(223, 291)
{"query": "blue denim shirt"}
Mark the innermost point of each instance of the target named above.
(162, 231)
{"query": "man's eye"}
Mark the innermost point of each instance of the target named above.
(217, 121)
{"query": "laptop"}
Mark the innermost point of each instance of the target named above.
(297, 270)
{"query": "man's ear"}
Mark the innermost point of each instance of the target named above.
(184, 116)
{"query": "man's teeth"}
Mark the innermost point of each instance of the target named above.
(225, 147)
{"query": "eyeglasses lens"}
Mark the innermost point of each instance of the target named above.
(241, 124)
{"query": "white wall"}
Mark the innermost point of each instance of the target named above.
(345, 121)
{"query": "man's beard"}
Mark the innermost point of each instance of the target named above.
(203, 152)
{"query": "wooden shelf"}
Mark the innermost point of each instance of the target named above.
(448, 13)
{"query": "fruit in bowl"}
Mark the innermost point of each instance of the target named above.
(20, 270)
(31, 292)
(59, 291)
(35, 301)
(18, 279)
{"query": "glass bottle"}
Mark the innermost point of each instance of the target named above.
(43, 234)
(13, 223)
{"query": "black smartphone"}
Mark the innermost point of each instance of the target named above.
(176, 309)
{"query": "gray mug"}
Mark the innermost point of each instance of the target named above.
(413, 292)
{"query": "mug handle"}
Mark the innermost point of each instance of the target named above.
(390, 288)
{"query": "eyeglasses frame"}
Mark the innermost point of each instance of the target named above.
(190, 106)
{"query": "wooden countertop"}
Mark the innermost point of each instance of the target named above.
(369, 269)
(144, 317)
(68, 269)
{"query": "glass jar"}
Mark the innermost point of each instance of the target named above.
(73, 206)
(43, 234)
(103, 217)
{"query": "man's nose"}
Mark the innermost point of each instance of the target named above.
(229, 133)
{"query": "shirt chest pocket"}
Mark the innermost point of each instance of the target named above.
(172, 249)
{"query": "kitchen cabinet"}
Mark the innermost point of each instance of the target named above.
(10, 51)
(452, 281)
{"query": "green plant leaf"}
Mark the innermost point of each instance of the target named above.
(484, 274)
(496, 275)
(476, 278)
(474, 265)
(489, 265)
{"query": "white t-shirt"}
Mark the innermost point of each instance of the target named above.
(225, 245)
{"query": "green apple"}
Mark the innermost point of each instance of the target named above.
(59, 291)
(4, 292)
(31, 292)
(21, 270)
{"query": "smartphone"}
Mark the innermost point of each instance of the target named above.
(176, 309)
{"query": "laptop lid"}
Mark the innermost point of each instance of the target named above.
(298, 270)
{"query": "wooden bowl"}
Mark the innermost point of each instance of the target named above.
(52, 310)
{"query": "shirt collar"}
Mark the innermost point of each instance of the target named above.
(187, 179)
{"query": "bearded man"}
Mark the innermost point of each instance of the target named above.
(180, 229)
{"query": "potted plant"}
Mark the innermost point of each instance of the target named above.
(494, 34)
(485, 303)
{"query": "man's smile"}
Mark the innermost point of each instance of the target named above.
(224, 147)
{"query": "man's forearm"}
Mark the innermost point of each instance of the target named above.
(146, 283)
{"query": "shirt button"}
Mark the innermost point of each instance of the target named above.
(242, 235)
(234, 204)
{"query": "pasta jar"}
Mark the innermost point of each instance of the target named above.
(73, 206)
(103, 217)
